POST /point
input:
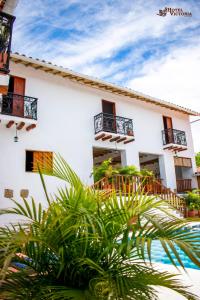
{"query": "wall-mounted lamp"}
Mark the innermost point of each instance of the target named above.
(176, 154)
(16, 139)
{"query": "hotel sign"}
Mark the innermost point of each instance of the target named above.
(179, 12)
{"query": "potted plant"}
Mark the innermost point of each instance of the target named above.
(192, 212)
(4, 40)
(192, 199)
(130, 132)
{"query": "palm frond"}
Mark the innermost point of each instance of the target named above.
(91, 246)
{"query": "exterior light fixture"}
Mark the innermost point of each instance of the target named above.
(176, 154)
(116, 151)
(16, 139)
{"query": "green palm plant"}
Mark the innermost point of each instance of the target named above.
(84, 247)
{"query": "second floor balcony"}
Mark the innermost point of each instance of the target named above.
(117, 128)
(174, 139)
(19, 106)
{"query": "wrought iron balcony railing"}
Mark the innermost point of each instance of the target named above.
(6, 25)
(114, 124)
(19, 106)
(174, 136)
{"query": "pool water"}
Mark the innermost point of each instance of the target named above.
(159, 255)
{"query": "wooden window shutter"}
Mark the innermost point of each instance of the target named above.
(44, 160)
(48, 160)
(37, 160)
(167, 122)
(183, 162)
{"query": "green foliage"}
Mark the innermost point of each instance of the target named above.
(104, 170)
(129, 170)
(192, 206)
(145, 172)
(85, 247)
(198, 159)
(193, 199)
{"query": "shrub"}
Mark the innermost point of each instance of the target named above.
(192, 197)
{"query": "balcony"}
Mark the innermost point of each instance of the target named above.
(6, 25)
(19, 106)
(113, 128)
(174, 140)
(18, 109)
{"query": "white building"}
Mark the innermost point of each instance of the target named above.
(52, 109)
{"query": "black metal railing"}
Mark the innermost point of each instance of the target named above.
(114, 124)
(19, 106)
(6, 25)
(174, 136)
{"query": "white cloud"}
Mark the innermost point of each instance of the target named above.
(174, 78)
(102, 32)
(98, 30)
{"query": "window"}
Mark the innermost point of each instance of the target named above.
(42, 159)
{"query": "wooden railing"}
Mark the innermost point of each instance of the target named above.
(132, 184)
(173, 199)
(183, 185)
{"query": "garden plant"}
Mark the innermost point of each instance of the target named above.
(82, 245)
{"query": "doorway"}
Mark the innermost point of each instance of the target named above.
(13, 102)
(109, 116)
(150, 162)
(168, 129)
(102, 154)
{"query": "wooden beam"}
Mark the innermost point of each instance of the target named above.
(20, 125)
(179, 149)
(129, 141)
(28, 64)
(38, 67)
(55, 73)
(32, 126)
(121, 140)
(10, 124)
(182, 149)
(152, 161)
(115, 138)
(168, 148)
(99, 136)
(107, 137)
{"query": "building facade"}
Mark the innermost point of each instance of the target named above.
(46, 109)
(50, 109)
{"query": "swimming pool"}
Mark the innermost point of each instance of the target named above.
(159, 255)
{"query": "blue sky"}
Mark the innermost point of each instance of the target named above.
(124, 42)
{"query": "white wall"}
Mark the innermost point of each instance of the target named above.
(65, 125)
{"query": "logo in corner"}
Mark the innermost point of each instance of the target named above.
(162, 13)
(174, 12)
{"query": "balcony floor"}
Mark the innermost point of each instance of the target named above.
(174, 147)
(22, 123)
(114, 137)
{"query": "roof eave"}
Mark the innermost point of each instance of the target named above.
(96, 83)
